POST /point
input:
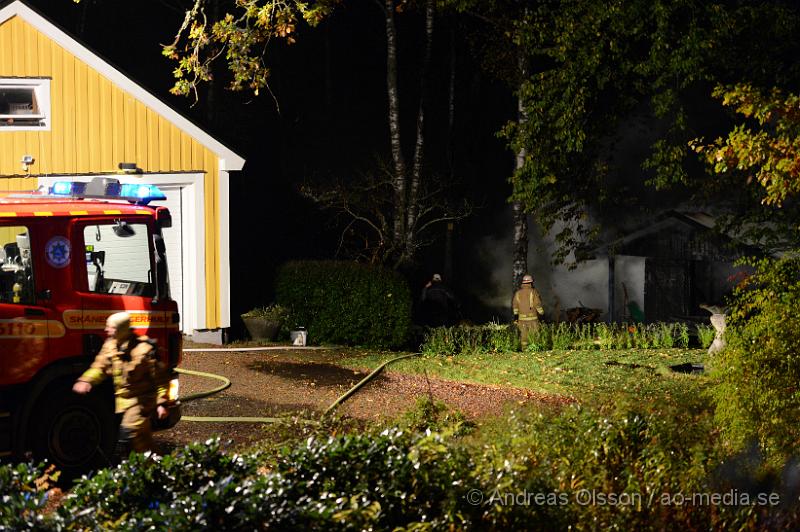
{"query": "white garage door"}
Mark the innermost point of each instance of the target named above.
(173, 239)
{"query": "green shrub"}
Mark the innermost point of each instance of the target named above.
(463, 339)
(470, 339)
(581, 455)
(605, 335)
(23, 495)
(586, 336)
(346, 303)
(664, 336)
(435, 415)
(758, 395)
(682, 335)
(192, 488)
(642, 335)
(270, 312)
(705, 335)
(502, 338)
(541, 338)
(362, 481)
(563, 336)
(623, 338)
(416, 478)
(372, 481)
(439, 341)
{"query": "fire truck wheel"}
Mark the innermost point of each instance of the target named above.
(75, 432)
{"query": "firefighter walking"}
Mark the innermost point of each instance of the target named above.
(130, 361)
(528, 309)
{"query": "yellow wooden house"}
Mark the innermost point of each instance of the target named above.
(72, 114)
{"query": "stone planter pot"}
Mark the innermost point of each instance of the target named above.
(262, 328)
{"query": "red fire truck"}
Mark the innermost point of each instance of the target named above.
(70, 257)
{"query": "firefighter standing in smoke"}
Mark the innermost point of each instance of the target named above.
(527, 309)
(130, 360)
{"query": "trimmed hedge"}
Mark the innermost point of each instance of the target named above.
(464, 339)
(346, 303)
(501, 338)
(377, 481)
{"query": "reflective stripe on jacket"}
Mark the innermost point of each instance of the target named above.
(133, 369)
(527, 304)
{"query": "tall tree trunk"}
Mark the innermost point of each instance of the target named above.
(520, 257)
(328, 73)
(451, 118)
(451, 107)
(80, 28)
(399, 177)
(520, 266)
(419, 147)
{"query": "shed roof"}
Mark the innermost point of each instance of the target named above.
(694, 221)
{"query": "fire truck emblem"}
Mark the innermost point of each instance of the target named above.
(58, 252)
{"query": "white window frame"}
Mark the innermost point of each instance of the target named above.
(41, 88)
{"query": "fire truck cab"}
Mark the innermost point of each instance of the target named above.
(71, 256)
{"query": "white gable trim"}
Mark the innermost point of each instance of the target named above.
(228, 160)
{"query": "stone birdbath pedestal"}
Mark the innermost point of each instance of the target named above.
(718, 322)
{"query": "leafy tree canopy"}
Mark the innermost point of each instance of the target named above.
(768, 154)
(594, 69)
(765, 151)
(240, 37)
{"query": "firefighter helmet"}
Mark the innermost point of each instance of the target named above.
(527, 279)
(121, 322)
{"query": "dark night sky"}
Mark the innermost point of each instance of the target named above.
(331, 90)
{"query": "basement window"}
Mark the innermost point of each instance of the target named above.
(24, 104)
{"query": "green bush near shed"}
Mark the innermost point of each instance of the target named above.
(346, 303)
(758, 396)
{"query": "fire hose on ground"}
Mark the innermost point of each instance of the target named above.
(226, 383)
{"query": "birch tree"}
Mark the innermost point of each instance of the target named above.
(392, 230)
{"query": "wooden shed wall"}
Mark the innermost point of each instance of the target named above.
(95, 126)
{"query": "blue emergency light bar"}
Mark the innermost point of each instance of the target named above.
(67, 188)
(106, 188)
(142, 192)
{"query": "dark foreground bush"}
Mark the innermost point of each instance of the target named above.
(23, 496)
(578, 469)
(349, 483)
(194, 488)
(346, 303)
(625, 471)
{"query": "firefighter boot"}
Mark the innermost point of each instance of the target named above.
(124, 445)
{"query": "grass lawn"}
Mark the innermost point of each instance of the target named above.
(587, 376)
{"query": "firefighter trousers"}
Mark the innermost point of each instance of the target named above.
(135, 433)
(526, 327)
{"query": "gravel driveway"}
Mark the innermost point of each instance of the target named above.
(282, 381)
